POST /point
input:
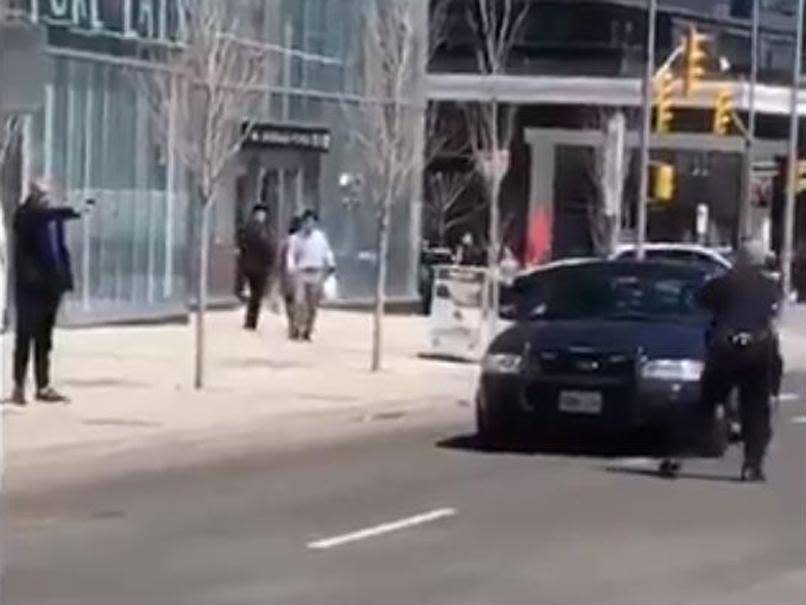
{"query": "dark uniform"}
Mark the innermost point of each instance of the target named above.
(257, 256)
(43, 274)
(742, 353)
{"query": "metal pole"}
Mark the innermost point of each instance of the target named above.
(792, 177)
(750, 140)
(649, 74)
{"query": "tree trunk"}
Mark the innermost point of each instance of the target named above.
(380, 285)
(201, 294)
(495, 251)
(495, 220)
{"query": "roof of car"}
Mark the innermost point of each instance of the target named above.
(619, 262)
(566, 262)
(716, 254)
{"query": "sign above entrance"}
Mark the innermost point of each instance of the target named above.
(130, 19)
(306, 138)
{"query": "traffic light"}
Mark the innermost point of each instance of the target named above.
(695, 57)
(664, 82)
(663, 182)
(723, 113)
(800, 183)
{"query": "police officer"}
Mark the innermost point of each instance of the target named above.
(742, 350)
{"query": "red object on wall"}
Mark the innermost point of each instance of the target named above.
(539, 240)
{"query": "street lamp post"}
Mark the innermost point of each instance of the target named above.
(646, 127)
(792, 167)
(750, 140)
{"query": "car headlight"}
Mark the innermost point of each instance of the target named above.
(502, 363)
(673, 370)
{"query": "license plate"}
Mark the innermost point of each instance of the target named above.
(581, 402)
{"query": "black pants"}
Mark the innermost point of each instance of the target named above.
(752, 370)
(777, 368)
(290, 312)
(258, 283)
(36, 318)
(240, 280)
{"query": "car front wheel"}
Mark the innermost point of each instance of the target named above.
(494, 428)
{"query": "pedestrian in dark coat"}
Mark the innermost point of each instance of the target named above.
(258, 253)
(42, 276)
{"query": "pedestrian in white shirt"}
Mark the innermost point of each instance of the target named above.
(310, 261)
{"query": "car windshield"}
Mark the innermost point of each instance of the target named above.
(611, 291)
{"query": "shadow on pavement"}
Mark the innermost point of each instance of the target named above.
(260, 363)
(120, 422)
(684, 475)
(557, 446)
(104, 383)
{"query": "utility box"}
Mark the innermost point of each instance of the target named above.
(24, 67)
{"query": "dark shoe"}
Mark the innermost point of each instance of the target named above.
(670, 468)
(307, 337)
(752, 473)
(18, 397)
(50, 395)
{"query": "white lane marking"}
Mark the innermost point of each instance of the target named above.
(384, 528)
(789, 397)
(799, 420)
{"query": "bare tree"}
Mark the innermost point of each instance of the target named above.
(390, 128)
(202, 96)
(490, 123)
(444, 195)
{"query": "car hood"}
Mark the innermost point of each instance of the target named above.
(657, 339)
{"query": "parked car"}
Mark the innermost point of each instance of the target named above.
(602, 347)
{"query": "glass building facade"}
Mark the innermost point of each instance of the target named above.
(95, 136)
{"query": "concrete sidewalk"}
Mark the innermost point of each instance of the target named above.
(134, 383)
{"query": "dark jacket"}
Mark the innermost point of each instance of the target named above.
(742, 300)
(41, 258)
(258, 249)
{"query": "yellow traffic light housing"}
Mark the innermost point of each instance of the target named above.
(664, 83)
(695, 58)
(723, 113)
(663, 182)
(800, 183)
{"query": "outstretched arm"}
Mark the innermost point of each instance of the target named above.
(60, 213)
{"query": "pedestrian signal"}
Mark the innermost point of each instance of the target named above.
(663, 182)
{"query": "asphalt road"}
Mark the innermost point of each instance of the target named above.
(412, 514)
